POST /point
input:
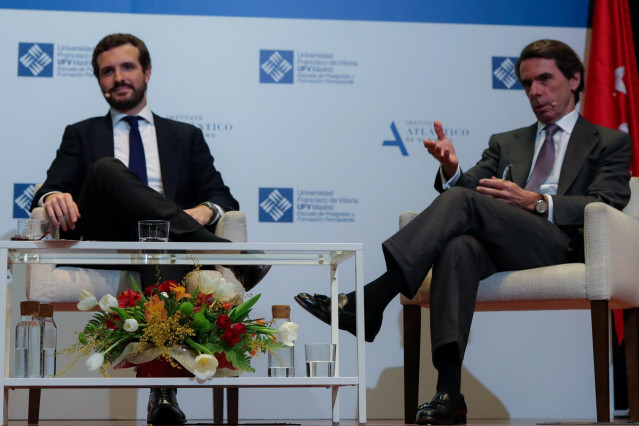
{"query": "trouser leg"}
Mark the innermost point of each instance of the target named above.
(113, 200)
(453, 292)
(514, 238)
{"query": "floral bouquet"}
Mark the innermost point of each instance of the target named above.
(205, 333)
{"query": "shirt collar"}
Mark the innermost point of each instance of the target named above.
(146, 114)
(565, 123)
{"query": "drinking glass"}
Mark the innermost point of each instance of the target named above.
(320, 359)
(153, 230)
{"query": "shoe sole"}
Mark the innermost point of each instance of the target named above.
(346, 324)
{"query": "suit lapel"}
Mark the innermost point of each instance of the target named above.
(522, 154)
(101, 141)
(584, 136)
(170, 153)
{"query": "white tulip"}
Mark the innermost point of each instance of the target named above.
(225, 290)
(95, 361)
(207, 284)
(205, 366)
(107, 302)
(288, 333)
(131, 325)
(87, 301)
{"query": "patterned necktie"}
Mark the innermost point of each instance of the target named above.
(545, 160)
(137, 161)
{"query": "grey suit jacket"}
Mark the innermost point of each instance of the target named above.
(595, 168)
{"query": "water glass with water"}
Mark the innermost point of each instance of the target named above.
(153, 231)
(320, 359)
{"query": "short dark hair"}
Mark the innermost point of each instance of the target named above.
(115, 40)
(566, 59)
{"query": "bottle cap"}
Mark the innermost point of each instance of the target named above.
(46, 310)
(29, 308)
(281, 311)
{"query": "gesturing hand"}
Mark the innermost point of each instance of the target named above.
(443, 151)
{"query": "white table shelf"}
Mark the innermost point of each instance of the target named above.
(123, 253)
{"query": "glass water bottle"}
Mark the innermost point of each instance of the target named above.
(281, 362)
(27, 353)
(48, 341)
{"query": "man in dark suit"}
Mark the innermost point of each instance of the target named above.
(482, 224)
(90, 192)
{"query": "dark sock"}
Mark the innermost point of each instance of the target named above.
(378, 293)
(447, 361)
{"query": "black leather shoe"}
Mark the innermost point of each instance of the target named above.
(443, 409)
(249, 275)
(320, 307)
(163, 408)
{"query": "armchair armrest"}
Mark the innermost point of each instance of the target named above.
(612, 244)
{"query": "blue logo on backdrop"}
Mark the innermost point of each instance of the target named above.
(276, 66)
(276, 205)
(504, 73)
(35, 60)
(22, 196)
(397, 141)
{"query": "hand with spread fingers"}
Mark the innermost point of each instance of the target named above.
(443, 151)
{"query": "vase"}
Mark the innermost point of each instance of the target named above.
(224, 367)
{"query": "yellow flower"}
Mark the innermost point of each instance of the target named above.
(180, 292)
(154, 309)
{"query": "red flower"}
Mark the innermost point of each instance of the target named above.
(239, 328)
(166, 286)
(128, 299)
(150, 290)
(203, 299)
(231, 337)
(223, 322)
(110, 323)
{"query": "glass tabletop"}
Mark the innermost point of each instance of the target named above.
(115, 253)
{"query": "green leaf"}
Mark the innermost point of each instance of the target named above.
(239, 313)
(136, 287)
(122, 313)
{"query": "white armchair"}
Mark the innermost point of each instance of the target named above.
(607, 280)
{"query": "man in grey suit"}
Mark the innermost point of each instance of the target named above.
(482, 224)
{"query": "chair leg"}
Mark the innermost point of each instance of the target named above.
(631, 328)
(599, 317)
(232, 405)
(218, 405)
(412, 337)
(34, 406)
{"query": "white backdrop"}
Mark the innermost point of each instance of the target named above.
(319, 139)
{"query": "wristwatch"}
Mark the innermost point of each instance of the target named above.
(211, 206)
(542, 205)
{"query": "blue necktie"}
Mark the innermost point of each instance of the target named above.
(137, 161)
(545, 160)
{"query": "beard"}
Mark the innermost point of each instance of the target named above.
(129, 103)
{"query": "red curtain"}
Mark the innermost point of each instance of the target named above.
(612, 84)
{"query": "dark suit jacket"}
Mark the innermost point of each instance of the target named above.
(595, 168)
(188, 174)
